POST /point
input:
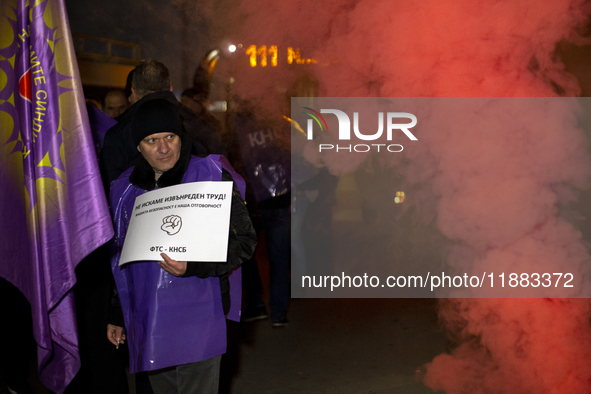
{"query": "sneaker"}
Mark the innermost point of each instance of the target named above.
(281, 323)
(251, 315)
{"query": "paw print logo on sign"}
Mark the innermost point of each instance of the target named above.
(172, 224)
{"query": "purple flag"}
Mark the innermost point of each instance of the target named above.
(53, 210)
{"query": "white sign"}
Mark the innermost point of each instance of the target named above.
(188, 222)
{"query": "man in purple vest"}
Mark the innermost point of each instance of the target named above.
(175, 311)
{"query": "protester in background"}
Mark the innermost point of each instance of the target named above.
(207, 128)
(127, 89)
(93, 101)
(259, 149)
(115, 103)
(100, 122)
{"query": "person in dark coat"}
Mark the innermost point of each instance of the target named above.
(206, 129)
(180, 349)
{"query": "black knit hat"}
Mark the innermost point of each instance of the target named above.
(155, 116)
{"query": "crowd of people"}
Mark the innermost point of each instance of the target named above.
(155, 141)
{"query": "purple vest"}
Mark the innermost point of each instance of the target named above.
(170, 320)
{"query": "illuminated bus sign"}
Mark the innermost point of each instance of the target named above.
(263, 52)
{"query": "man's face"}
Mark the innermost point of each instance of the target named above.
(115, 105)
(161, 150)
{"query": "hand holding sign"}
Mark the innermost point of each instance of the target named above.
(171, 224)
(176, 268)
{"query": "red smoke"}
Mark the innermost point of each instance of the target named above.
(502, 208)
(422, 48)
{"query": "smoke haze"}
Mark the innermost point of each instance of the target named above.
(497, 195)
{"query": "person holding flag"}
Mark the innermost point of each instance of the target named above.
(53, 208)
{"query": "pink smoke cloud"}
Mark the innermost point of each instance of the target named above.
(497, 195)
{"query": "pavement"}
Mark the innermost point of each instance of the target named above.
(336, 346)
(331, 346)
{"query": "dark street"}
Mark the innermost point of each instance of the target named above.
(337, 346)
